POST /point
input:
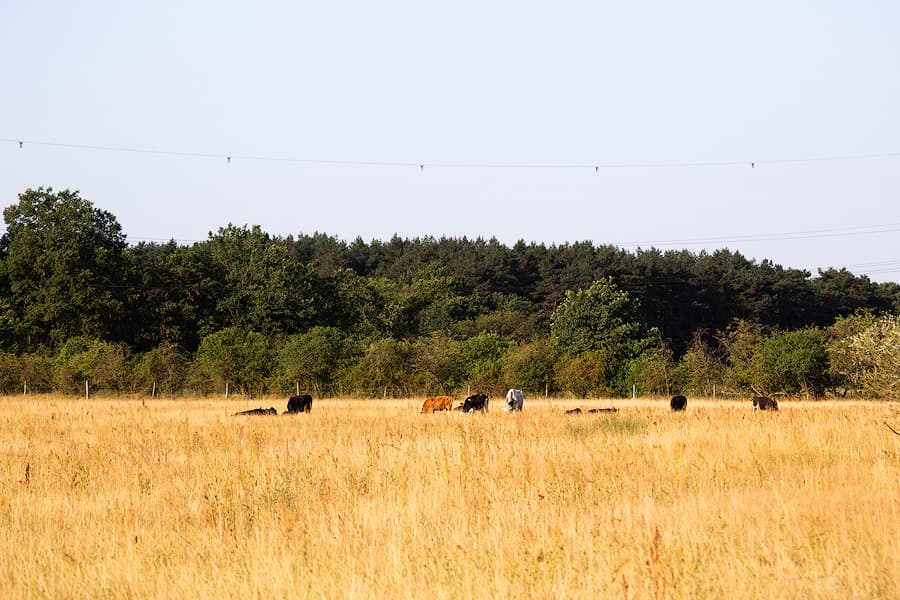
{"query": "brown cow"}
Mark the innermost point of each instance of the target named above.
(437, 403)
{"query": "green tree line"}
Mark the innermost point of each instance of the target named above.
(265, 314)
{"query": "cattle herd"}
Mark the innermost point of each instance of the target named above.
(296, 405)
(578, 411)
(515, 399)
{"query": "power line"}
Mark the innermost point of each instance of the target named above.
(421, 165)
(769, 237)
(878, 264)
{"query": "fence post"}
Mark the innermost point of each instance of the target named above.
(25, 388)
(226, 390)
(153, 391)
(298, 389)
(87, 390)
(633, 391)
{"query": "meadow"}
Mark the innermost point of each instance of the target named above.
(125, 498)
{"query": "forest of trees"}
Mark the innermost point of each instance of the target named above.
(407, 317)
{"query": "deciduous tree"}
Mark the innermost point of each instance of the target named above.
(233, 356)
(601, 317)
(870, 359)
(62, 260)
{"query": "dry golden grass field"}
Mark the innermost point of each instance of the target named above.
(369, 499)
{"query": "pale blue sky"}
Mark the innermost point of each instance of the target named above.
(477, 83)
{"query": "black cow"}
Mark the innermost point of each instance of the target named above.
(257, 411)
(604, 410)
(764, 403)
(476, 402)
(678, 402)
(574, 411)
(299, 404)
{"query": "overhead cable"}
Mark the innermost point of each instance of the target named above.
(422, 165)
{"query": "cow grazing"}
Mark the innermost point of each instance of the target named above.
(514, 400)
(763, 403)
(437, 403)
(476, 402)
(299, 404)
(257, 411)
(678, 402)
(604, 410)
(574, 411)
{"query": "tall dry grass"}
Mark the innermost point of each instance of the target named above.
(111, 498)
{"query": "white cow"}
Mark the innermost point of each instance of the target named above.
(514, 400)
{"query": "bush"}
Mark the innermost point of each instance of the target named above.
(102, 364)
(438, 361)
(481, 356)
(589, 374)
(312, 360)
(37, 370)
(653, 372)
(530, 366)
(164, 369)
(11, 379)
(792, 362)
(870, 358)
(700, 369)
(382, 370)
(233, 356)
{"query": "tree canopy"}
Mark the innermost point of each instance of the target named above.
(63, 269)
(420, 315)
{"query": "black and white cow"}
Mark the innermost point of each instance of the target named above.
(476, 402)
(514, 400)
(299, 404)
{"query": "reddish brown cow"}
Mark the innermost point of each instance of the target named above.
(438, 403)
